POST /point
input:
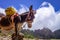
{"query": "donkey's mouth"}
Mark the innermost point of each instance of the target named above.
(29, 24)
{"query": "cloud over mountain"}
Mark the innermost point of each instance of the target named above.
(45, 16)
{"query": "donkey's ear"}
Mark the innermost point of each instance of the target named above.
(31, 7)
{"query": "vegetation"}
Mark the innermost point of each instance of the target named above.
(28, 36)
(45, 33)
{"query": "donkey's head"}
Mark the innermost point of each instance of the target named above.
(30, 16)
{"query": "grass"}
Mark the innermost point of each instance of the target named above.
(28, 36)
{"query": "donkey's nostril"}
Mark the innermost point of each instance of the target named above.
(29, 26)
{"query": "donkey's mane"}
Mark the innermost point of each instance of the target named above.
(23, 17)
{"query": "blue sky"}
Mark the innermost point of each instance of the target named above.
(36, 3)
(47, 16)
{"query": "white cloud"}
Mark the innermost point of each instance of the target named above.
(57, 22)
(23, 9)
(46, 17)
(44, 3)
(2, 10)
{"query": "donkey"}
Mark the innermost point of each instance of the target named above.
(16, 21)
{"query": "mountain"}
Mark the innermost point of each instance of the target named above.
(57, 34)
(44, 33)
